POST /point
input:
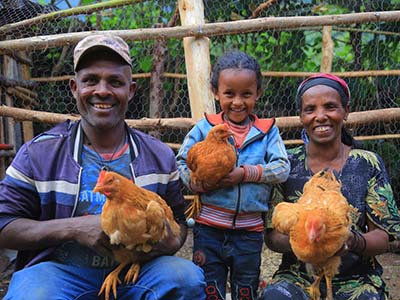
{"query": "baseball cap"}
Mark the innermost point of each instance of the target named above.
(112, 42)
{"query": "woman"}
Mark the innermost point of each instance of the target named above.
(323, 100)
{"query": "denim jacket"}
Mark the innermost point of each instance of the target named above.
(43, 181)
(263, 146)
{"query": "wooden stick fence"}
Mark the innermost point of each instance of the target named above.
(284, 123)
(204, 30)
(368, 73)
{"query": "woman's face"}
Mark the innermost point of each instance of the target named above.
(322, 114)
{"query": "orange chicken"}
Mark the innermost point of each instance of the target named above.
(318, 225)
(209, 161)
(134, 219)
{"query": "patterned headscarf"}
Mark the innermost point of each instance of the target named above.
(330, 80)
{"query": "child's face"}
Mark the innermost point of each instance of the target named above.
(237, 93)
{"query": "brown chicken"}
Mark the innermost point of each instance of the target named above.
(318, 225)
(209, 161)
(134, 219)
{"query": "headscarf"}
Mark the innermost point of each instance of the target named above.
(340, 86)
(330, 80)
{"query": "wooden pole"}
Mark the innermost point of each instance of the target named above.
(2, 161)
(204, 30)
(176, 146)
(368, 73)
(327, 50)
(284, 123)
(86, 9)
(9, 71)
(197, 58)
(27, 126)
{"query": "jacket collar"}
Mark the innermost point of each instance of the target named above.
(78, 138)
(264, 125)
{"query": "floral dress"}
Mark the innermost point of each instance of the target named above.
(365, 184)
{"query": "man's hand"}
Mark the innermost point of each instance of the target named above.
(169, 245)
(90, 234)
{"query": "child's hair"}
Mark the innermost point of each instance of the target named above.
(235, 60)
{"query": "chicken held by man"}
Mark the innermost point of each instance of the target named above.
(134, 219)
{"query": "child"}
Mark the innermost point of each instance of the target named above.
(228, 233)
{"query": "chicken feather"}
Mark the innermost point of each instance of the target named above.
(209, 161)
(318, 225)
(133, 218)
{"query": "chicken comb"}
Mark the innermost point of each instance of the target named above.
(102, 174)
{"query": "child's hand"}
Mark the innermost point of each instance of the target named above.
(233, 178)
(197, 188)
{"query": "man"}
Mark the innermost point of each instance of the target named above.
(49, 213)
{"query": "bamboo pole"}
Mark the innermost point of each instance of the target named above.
(197, 60)
(284, 123)
(205, 30)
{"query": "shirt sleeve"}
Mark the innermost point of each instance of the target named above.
(193, 136)
(277, 168)
(18, 194)
(381, 206)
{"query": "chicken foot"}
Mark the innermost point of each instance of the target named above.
(132, 274)
(329, 293)
(313, 290)
(111, 282)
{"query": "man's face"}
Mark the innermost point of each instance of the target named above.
(102, 88)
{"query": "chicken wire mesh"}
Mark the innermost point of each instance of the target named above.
(38, 78)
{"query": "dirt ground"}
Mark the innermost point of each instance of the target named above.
(270, 262)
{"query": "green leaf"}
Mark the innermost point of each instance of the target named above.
(145, 64)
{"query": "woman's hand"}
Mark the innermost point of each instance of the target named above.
(277, 241)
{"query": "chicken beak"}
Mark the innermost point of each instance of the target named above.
(98, 188)
(312, 237)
